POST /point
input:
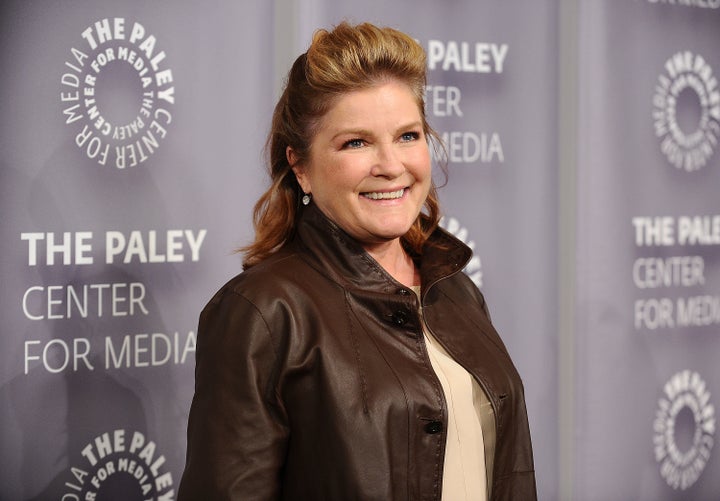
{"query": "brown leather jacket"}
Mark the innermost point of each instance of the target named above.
(313, 381)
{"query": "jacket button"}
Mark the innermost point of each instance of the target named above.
(400, 317)
(433, 427)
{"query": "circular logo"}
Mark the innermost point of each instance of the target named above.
(119, 465)
(474, 267)
(684, 428)
(686, 111)
(117, 93)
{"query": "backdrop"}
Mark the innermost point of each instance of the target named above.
(648, 270)
(132, 137)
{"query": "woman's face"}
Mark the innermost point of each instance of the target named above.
(369, 164)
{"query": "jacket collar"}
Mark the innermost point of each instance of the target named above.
(334, 252)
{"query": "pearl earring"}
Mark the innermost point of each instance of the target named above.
(306, 199)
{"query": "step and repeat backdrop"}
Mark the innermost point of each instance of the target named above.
(131, 139)
(647, 377)
(131, 158)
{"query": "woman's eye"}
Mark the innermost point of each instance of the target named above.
(410, 136)
(354, 143)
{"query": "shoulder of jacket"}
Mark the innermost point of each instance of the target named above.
(281, 276)
(273, 272)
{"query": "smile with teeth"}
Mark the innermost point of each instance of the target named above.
(384, 195)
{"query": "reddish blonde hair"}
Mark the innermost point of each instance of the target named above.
(343, 60)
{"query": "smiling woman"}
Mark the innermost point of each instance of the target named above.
(353, 359)
(369, 170)
(347, 60)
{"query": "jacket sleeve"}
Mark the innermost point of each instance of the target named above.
(237, 431)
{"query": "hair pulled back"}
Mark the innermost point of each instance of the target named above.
(343, 60)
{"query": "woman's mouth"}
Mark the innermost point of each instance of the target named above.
(384, 195)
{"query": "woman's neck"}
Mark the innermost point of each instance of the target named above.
(393, 258)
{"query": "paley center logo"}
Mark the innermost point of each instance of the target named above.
(474, 267)
(117, 93)
(684, 429)
(686, 111)
(119, 464)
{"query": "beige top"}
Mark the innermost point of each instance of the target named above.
(470, 445)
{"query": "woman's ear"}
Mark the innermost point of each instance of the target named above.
(298, 169)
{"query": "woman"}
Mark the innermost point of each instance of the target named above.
(352, 359)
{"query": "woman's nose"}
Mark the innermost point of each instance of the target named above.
(388, 161)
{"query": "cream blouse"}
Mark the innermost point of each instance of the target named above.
(470, 445)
